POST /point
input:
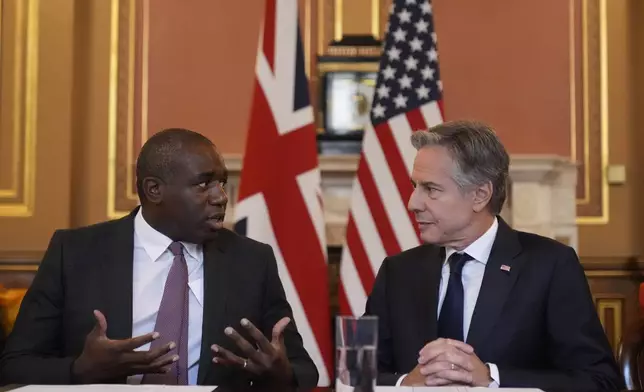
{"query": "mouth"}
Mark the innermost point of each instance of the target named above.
(217, 217)
(216, 221)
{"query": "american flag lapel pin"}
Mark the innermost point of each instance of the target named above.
(505, 268)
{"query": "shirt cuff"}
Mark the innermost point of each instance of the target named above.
(494, 374)
(400, 380)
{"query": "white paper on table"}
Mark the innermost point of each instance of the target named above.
(174, 388)
(469, 389)
(345, 388)
(115, 388)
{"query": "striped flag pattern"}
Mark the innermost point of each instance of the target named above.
(279, 201)
(408, 97)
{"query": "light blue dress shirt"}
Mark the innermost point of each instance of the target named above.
(152, 262)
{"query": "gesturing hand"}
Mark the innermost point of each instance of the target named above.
(103, 359)
(269, 359)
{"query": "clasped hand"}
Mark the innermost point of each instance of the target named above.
(448, 362)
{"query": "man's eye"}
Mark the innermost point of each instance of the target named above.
(203, 184)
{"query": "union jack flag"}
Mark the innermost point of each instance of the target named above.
(280, 193)
(408, 97)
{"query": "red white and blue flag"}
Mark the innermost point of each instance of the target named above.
(408, 97)
(279, 200)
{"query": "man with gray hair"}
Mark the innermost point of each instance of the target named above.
(479, 303)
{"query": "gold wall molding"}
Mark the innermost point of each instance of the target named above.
(610, 309)
(589, 118)
(19, 199)
(18, 267)
(128, 100)
(339, 19)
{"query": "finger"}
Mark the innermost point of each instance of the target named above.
(100, 328)
(432, 353)
(248, 350)
(431, 350)
(443, 344)
(152, 356)
(456, 376)
(160, 366)
(136, 342)
(225, 362)
(464, 347)
(259, 337)
(458, 358)
(278, 329)
(432, 381)
(165, 361)
(434, 368)
(225, 357)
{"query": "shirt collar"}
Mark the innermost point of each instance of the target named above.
(480, 249)
(156, 243)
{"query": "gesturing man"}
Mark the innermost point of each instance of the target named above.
(165, 295)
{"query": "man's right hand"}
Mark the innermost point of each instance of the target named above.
(104, 359)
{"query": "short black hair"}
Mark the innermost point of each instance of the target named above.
(158, 154)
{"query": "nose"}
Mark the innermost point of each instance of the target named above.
(414, 204)
(218, 194)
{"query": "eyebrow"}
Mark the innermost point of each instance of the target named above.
(207, 176)
(426, 184)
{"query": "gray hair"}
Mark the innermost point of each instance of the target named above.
(478, 154)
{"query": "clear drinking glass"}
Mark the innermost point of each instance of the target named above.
(356, 345)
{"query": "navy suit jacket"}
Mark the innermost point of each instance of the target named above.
(536, 322)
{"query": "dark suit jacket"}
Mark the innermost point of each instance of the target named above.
(91, 268)
(537, 322)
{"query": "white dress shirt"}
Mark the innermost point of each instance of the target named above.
(152, 262)
(472, 276)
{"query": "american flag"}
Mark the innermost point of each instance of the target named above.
(279, 201)
(407, 98)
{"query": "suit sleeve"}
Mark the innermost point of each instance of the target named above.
(276, 307)
(577, 343)
(32, 354)
(377, 306)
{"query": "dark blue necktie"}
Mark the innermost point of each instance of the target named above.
(450, 321)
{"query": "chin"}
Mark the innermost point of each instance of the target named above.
(430, 236)
(430, 239)
(209, 235)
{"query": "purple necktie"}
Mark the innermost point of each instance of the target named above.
(172, 321)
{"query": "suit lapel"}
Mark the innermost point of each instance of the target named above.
(217, 264)
(116, 264)
(497, 284)
(427, 285)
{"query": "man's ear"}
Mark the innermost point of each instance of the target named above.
(153, 189)
(482, 196)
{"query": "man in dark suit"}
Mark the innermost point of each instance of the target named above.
(165, 295)
(479, 303)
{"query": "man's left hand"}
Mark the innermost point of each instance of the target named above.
(456, 366)
(268, 359)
